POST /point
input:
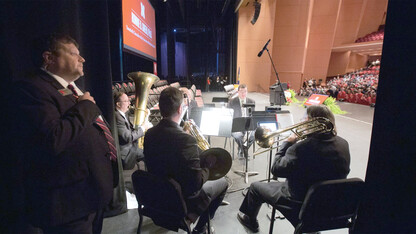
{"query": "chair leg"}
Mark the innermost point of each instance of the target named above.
(209, 224)
(272, 218)
(298, 228)
(188, 227)
(225, 142)
(140, 223)
(254, 150)
(233, 147)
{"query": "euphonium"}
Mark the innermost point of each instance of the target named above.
(217, 160)
(143, 82)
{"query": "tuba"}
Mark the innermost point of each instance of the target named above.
(217, 160)
(143, 82)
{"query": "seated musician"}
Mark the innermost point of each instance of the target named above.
(127, 135)
(171, 152)
(318, 157)
(239, 111)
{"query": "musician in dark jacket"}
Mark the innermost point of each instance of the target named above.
(69, 168)
(317, 158)
(239, 111)
(171, 152)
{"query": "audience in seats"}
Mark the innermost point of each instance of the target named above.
(374, 36)
(357, 87)
(128, 136)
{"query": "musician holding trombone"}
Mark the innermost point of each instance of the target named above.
(320, 156)
(171, 152)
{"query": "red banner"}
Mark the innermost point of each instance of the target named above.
(316, 99)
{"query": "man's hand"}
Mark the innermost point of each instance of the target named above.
(292, 138)
(86, 96)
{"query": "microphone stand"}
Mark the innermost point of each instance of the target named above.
(282, 95)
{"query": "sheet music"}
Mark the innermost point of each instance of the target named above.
(285, 120)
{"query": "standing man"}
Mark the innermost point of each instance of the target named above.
(128, 136)
(319, 157)
(69, 157)
(239, 111)
(171, 152)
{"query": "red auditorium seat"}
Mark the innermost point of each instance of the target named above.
(342, 95)
(352, 98)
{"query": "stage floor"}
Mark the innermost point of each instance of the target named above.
(355, 127)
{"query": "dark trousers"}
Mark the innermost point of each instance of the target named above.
(79, 226)
(134, 156)
(258, 194)
(240, 138)
(215, 190)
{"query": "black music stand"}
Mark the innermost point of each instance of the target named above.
(269, 116)
(244, 124)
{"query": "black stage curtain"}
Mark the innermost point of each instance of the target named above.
(389, 201)
(86, 21)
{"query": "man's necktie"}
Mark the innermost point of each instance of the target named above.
(110, 139)
(103, 126)
(243, 109)
(74, 92)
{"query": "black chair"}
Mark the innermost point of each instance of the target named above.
(330, 204)
(161, 200)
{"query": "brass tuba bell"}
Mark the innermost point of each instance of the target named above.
(143, 81)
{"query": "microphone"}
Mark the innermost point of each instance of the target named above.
(264, 48)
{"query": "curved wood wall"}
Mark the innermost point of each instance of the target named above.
(303, 33)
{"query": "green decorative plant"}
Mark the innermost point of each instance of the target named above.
(330, 102)
(292, 98)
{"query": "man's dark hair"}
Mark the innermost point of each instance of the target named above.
(170, 100)
(242, 86)
(117, 96)
(321, 111)
(49, 43)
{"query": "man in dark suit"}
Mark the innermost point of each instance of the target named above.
(69, 166)
(171, 152)
(317, 158)
(239, 111)
(128, 136)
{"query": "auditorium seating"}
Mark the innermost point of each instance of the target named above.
(198, 96)
(374, 36)
(358, 87)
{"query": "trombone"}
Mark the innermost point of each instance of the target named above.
(265, 138)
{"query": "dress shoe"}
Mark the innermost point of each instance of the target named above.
(252, 225)
(203, 230)
(224, 203)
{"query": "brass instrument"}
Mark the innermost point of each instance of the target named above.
(217, 160)
(318, 125)
(143, 82)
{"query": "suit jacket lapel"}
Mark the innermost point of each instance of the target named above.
(126, 121)
(129, 125)
(54, 83)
